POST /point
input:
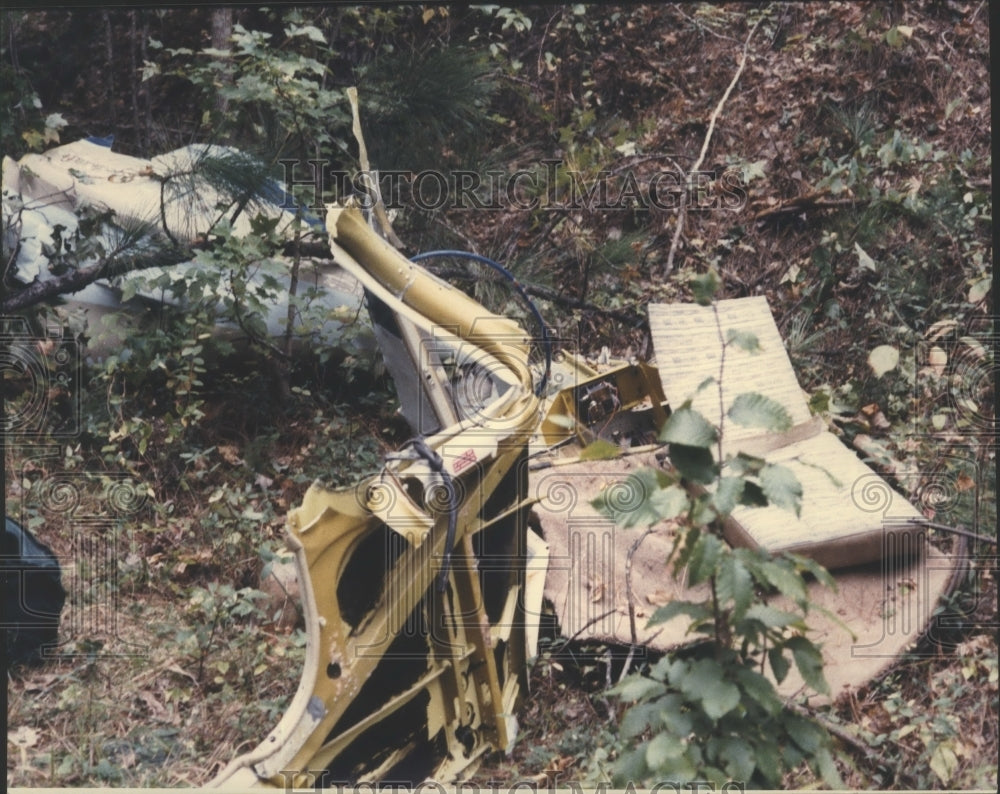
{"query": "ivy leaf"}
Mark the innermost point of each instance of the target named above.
(688, 427)
(810, 663)
(756, 410)
(782, 487)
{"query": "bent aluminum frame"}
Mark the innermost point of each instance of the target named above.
(407, 677)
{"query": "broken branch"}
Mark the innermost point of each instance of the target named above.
(682, 210)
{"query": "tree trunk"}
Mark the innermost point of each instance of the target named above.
(222, 31)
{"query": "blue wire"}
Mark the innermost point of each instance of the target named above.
(546, 341)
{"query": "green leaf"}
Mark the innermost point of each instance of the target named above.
(806, 733)
(688, 427)
(828, 769)
(779, 664)
(778, 573)
(782, 487)
(678, 768)
(638, 719)
(637, 687)
(631, 766)
(704, 287)
(738, 756)
(734, 583)
(769, 762)
(745, 340)
(883, 359)
(628, 502)
(706, 682)
(809, 565)
(760, 689)
(694, 463)
(703, 558)
(704, 385)
(674, 716)
(312, 32)
(669, 611)
(727, 494)
(810, 663)
(668, 502)
(753, 496)
(600, 450)
(756, 410)
(773, 618)
(661, 750)
(746, 464)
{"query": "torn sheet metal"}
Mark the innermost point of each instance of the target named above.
(413, 582)
(602, 576)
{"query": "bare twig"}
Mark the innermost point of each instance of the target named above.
(682, 210)
(634, 634)
(802, 204)
(583, 628)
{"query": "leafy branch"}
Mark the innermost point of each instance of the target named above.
(710, 711)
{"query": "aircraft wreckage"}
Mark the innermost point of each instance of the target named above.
(422, 587)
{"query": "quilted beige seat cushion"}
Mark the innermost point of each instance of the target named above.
(850, 515)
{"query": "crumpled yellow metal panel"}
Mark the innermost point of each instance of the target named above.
(413, 581)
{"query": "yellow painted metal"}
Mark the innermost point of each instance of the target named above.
(403, 681)
(632, 386)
